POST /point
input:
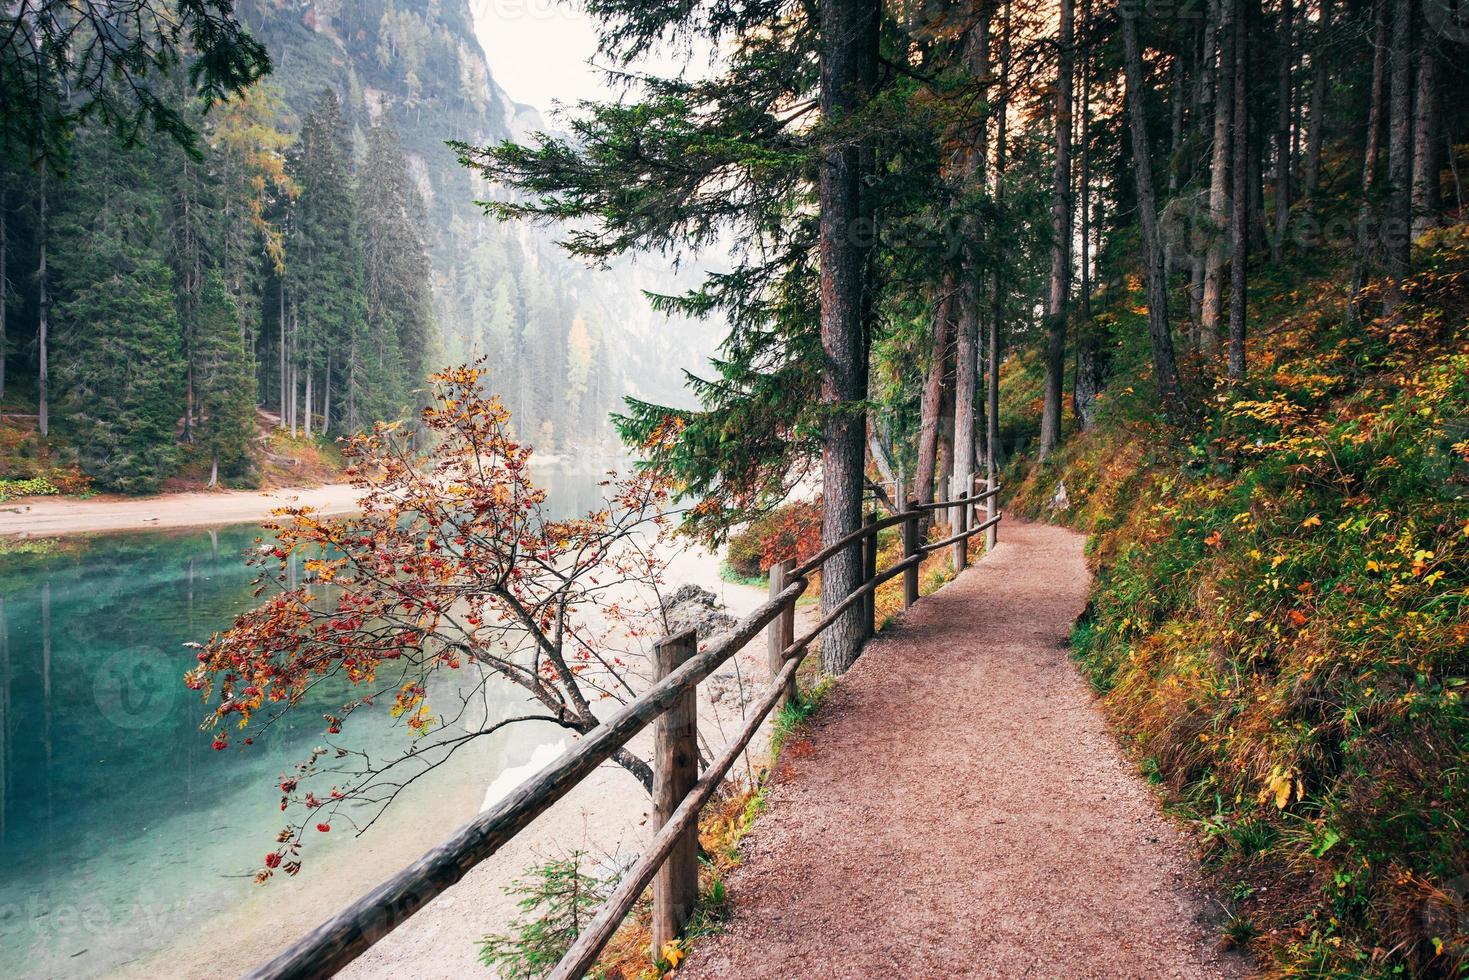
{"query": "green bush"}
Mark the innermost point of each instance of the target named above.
(743, 553)
(37, 486)
(557, 899)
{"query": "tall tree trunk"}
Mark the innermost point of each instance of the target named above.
(1283, 130)
(281, 380)
(43, 308)
(1196, 273)
(883, 458)
(1256, 129)
(1175, 142)
(1397, 225)
(966, 354)
(1316, 123)
(1165, 366)
(352, 420)
(1060, 282)
(4, 282)
(1176, 101)
(1372, 145)
(1084, 100)
(1427, 165)
(1254, 134)
(1088, 382)
(1298, 101)
(980, 448)
(189, 291)
(849, 41)
(931, 403)
(307, 405)
(1199, 241)
(944, 478)
(1453, 160)
(1213, 300)
(994, 457)
(326, 397)
(294, 364)
(1238, 233)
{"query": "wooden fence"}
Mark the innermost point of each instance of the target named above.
(680, 792)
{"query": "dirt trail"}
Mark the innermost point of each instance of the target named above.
(962, 810)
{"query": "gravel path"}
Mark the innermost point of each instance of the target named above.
(962, 810)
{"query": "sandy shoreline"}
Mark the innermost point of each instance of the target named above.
(45, 517)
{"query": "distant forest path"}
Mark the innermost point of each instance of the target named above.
(961, 809)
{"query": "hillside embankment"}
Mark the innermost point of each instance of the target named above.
(1279, 618)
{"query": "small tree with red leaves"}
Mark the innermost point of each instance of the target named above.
(790, 531)
(452, 563)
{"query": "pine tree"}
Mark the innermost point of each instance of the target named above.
(5, 235)
(191, 196)
(1165, 368)
(557, 900)
(682, 166)
(223, 386)
(1397, 241)
(118, 362)
(325, 273)
(106, 58)
(249, 155)
(1058, 296)
(399, 299)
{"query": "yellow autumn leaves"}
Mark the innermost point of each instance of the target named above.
(1280, 785)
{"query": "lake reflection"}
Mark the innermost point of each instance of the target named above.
(120, 827)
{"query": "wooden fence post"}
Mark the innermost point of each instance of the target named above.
(910, 548)
(869, 572)
(961, 524)
(781, 632)
(675, 771)
(991, 508)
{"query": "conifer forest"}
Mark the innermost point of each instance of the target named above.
(287, 233)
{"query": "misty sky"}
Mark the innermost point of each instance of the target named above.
(539, 51)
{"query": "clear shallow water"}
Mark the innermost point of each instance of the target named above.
(121, 830)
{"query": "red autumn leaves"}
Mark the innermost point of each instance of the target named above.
(451, 560)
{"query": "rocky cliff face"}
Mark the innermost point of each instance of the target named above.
(564, 343)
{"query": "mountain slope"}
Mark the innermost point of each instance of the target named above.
(563, 342)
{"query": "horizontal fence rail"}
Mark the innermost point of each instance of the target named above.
(344, 937)
(961, 536)
(349, 933)
(857, 594)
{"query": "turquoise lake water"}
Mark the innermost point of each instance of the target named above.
(121, 830)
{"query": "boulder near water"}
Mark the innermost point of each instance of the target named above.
(691, 607)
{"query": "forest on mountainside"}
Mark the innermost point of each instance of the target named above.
(163, 273)
(308, 248)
